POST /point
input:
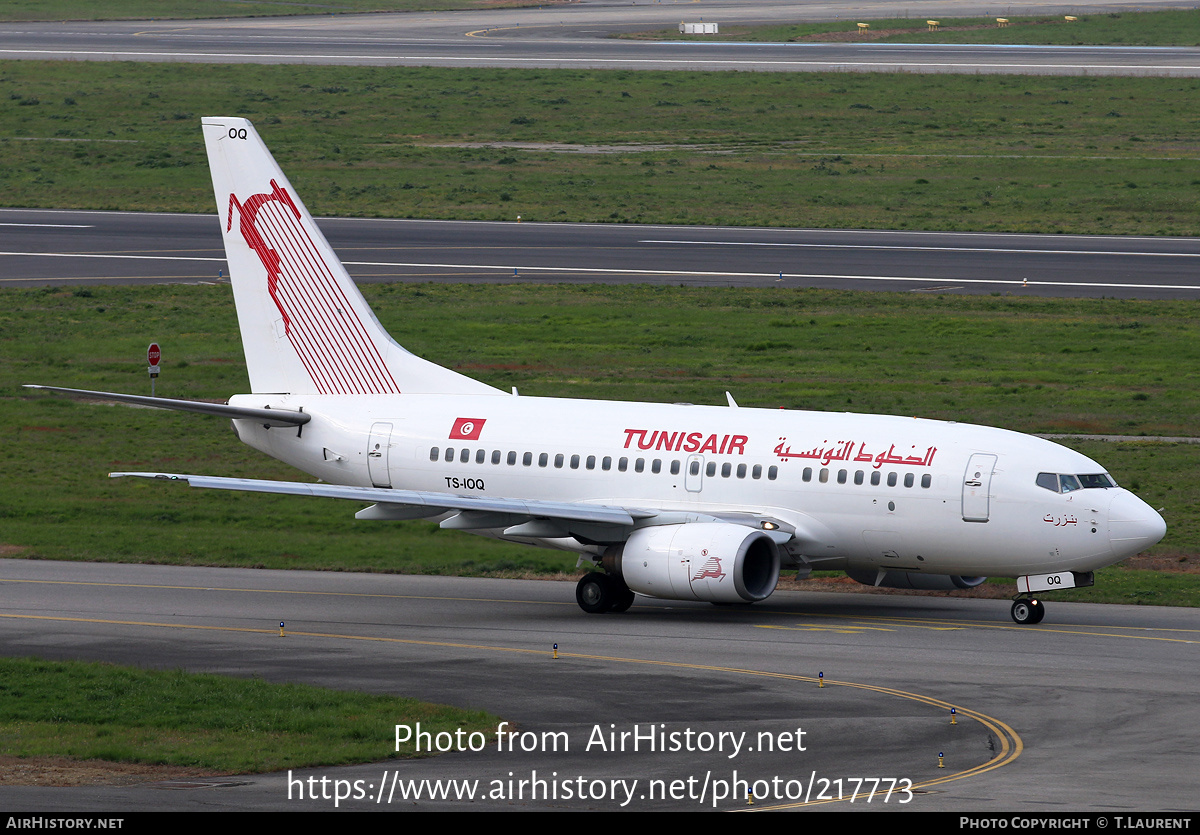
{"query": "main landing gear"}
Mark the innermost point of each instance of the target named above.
(1028, 611)
(598, 593)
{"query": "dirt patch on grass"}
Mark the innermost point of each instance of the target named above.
(62, 771)
(1171, 563)
(852, 35)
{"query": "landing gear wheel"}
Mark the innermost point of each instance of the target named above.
(623, 599)
(1028, 612)
(1039, 611)
(596, 593)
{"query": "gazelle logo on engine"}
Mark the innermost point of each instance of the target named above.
(710, 569)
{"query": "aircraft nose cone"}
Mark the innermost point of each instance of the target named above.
(1133, 526)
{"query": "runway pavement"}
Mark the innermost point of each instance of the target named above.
(39, 248)
(1094, 710)
(577, 36)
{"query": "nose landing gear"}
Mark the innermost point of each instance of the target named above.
(1027, 611)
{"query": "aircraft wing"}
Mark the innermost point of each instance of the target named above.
(520, 517)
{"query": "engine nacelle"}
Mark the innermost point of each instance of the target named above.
(713, 561)
(913, 580)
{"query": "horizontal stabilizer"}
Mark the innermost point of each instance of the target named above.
(268, 417)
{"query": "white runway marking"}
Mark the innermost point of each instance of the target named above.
(517, 269)
(934, 248)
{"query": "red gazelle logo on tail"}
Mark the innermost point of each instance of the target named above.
(320, 322)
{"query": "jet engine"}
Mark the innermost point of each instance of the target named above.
(913, 580)
(714, 561)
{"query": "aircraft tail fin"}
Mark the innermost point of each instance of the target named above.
(306, 329)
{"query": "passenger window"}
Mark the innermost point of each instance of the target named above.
(480, 456)
(591, 462)
(741, 471)
(574, 462)
(639, 465)
(711, 469)
(606, 463)
(891, 479)
(875, 478)
(694, 468)
(726, 470)
(675, 467)
(512, 458)
(807, 474)
(495, 456)
(909, 478)
(558, 461)
(623, 464)
(841, 476)
(656, 466)
(465, 455)
(449, 454)
(527, 459)
(772, 473)
(433, 453)
(757, 471)
(824, 477)
(926, 480)
(858, 476)
(543, 459)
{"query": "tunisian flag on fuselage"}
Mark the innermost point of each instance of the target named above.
(467, 429)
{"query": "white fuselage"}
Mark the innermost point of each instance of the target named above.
(861, 492)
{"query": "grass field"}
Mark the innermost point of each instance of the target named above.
(1039, 365)
(184, 9)
(979, 153)
(206, 722)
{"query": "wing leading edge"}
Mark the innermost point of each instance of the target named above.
(519, 517)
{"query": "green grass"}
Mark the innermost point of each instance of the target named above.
(1162, 28)
(1030, 364)
(978, 153)
(1119, 584)
(184, 9)
(122, 714)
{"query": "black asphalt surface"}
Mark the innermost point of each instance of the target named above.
(1093, 710)
(39, 248)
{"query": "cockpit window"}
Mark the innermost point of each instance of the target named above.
(1066, 483)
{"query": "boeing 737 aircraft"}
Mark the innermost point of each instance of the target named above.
(670, 501)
